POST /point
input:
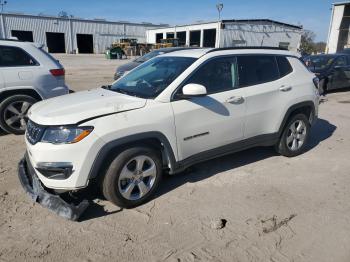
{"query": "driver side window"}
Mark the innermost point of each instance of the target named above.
(341, 61)
(217, 75)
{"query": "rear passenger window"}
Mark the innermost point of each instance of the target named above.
(257, 69)
(14, 56)
(284, 66)
(217, 75)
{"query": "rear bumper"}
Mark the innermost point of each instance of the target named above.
(33, 187)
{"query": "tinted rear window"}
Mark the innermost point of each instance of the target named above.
(284, 66)
(14, 56)
(257, 69)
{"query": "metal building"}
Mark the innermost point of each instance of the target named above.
(70, 35)
(338, 35)
(230, 33)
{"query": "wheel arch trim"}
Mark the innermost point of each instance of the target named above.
(114, 144)
(22, 90)
(292, 109)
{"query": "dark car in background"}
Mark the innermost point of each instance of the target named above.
(123, 69)
(333, 70)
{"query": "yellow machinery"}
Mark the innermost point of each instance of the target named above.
(169, 42)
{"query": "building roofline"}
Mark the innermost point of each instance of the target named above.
(262, 20)
(234, 21)
(341, 3)
(84, 20)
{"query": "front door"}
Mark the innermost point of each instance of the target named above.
(205, 123)
(340, 73)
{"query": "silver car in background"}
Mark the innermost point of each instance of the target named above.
(27, 74)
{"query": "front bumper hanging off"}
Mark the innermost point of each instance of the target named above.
(33, 187)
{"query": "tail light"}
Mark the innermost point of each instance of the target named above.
(57, 72)
(316, 81)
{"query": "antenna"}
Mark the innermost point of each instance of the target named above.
(219, 7)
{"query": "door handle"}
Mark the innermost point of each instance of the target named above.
(285, 88)
(235, 100)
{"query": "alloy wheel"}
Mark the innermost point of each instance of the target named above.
(296, 135)
(15, 115)
(137, 177)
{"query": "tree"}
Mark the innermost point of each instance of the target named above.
(308, 44)
(320, 47)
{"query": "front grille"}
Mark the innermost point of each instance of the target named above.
(34, 132)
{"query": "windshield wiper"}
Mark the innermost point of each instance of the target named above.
(125, 92)
(108, 87)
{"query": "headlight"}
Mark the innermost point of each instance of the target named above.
(65, 134)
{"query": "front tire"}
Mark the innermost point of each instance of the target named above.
(132, 177)
(295, 136)
(13, 113)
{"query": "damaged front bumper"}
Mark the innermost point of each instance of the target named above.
(38, 193)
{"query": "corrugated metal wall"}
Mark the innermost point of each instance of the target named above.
(259, 34)
(104, 33)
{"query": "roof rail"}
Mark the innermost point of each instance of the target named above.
(10, 39)
(247, 47)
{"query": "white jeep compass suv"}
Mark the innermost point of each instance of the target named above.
(169, 113)
(27, 74)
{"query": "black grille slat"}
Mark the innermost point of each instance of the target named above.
(34, 132)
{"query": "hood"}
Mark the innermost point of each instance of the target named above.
(76, 107)
(128, 66)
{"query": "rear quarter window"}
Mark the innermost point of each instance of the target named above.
(11, 56)
(284, 66)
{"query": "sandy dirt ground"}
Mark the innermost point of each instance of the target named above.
(272, 208)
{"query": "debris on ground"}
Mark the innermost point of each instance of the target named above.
(218, 223)
(272, 224)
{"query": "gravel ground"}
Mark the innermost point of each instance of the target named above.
(249, 206)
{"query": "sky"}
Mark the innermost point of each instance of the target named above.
(312, 14)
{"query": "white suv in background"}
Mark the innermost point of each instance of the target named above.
(167, 114)
(27, 74)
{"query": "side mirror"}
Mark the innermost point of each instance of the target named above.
(194, 90)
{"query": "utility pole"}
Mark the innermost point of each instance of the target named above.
(2, 3)
(219, 7)
(3, 33)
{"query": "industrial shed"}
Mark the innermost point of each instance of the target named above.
(231, 33)
(338, 35)
(70, 35)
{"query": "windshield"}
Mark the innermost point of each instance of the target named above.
(151, 78)
(148, 56)
(319, 62)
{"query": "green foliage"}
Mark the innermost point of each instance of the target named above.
(308, 44)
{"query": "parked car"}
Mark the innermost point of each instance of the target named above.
(124, 69)
(27, 74)
(333, 70)
(171, 112)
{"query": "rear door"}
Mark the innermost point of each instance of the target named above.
(17, 67)
(266, 92)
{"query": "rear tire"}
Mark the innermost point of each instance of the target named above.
(13, 113)
(132, 177)
(295, 135)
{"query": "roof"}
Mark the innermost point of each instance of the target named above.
(173, 49)
(342, 3)
(261, 20)
(100, 21)
(235, 21)
(196, 53)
